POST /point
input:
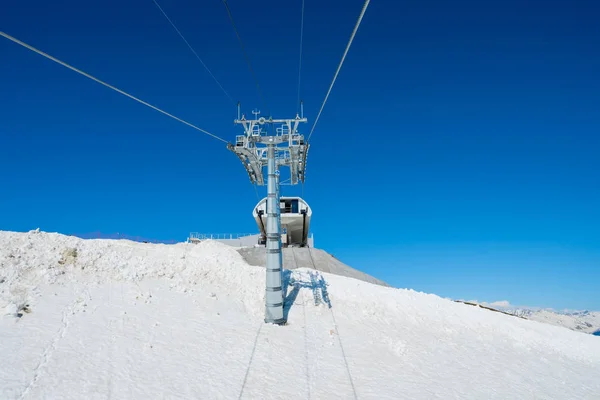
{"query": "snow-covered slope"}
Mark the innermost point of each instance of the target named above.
(88, 319)
(581, 321)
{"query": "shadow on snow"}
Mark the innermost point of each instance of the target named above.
(315, 282)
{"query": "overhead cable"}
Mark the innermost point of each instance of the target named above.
(256, 191)
(237, 33)
(362, 13)
(194, 52)
(64, 64)
(300, 55)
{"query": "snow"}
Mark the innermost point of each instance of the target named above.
(582, 321)
(119, 319)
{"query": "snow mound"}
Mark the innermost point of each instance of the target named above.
(119, 319)
(35, 258)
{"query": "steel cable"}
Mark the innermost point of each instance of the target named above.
(64, 64)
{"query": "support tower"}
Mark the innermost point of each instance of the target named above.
(283, 147)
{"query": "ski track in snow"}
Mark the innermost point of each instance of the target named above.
(339, 337)
(60, 334)
(141, 321)
(306, 364)
(250, 361)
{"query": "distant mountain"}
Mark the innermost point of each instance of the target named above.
(580, 321)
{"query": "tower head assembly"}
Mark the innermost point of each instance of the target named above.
(289, 145)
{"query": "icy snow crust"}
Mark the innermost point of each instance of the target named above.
(87, 319)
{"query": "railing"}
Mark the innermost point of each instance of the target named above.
(218, 236)
(282, 130)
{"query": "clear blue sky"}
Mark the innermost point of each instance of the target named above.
(462, 137)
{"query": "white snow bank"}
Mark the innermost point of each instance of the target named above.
(35, 258)
(118, 319)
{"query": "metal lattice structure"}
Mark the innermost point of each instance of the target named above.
(290, 147)
(257, 149)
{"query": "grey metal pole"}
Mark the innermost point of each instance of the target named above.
(274, 292)
(278, 187)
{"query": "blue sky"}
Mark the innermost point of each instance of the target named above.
(462, 137)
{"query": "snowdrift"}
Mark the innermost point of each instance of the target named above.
(118, 319)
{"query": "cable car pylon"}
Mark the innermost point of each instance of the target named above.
(258, 149)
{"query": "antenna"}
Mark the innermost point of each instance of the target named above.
(238, 110)
(286, 148)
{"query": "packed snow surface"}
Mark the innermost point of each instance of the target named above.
(97, 319)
